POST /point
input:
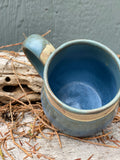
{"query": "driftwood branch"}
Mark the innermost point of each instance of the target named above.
(28, 77)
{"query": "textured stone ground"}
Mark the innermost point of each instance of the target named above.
(71, 149)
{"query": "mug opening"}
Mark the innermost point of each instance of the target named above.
(83, 75)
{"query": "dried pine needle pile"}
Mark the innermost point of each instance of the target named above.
(12, 117)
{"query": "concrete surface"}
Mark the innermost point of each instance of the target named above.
(68, 20)
(71, 149)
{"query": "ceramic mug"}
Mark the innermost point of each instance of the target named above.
(81, 90)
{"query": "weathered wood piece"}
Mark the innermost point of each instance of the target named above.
(13, 66)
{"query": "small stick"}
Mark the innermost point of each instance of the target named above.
(7, 152)
(38, 137)
(10, 45)
(34, 150)
(13, 53)
(25, 157)
(54, 129)
(115, 142)
(4, 138)
(49, 138)
(38, 148)
(42, 155)
(5, 144)
(1, 134)
(115, 121)
(104, 135)
(90, 157)
(28, 75)
(20, 142)
(102, 140)
(20, 43)
(83, 140)
(58, 139)
(15, 99)
(5, 57)
(11, 114)
(27, 64)
(43, 35)
(30, 102)
(9, 149)
(28, 144)
(33, 126)
(24, 150)
(6, 132)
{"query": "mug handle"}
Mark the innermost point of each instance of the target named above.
(37, 49)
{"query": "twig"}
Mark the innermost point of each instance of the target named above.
(16, 100)
(7, 152)
(38, 148)
(20, 43)
(103, 135)
(10, 45)
(34, 148)
(24, 150)
(43, 35)
(13, 53)
(1, 134)
(29, 100)
(86, 141)
(33, 126)
(25, 157)
(28, 144)
(42, 155)
(9, 149)
(20, 142)
(11, 114)
(90, 157)
(49, 138)
(20, 84)
(114, 142)
(58, 139)
(9, 58)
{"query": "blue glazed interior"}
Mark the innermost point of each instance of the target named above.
(83, 76)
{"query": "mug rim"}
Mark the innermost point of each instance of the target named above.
(65, 106)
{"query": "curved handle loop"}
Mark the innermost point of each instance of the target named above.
(37, 49)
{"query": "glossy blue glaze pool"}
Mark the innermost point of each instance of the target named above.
(83, 76)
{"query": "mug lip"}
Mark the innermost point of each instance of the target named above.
(65, 106)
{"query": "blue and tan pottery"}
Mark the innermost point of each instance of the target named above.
(81, 90)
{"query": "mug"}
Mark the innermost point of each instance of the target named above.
(81, 90)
